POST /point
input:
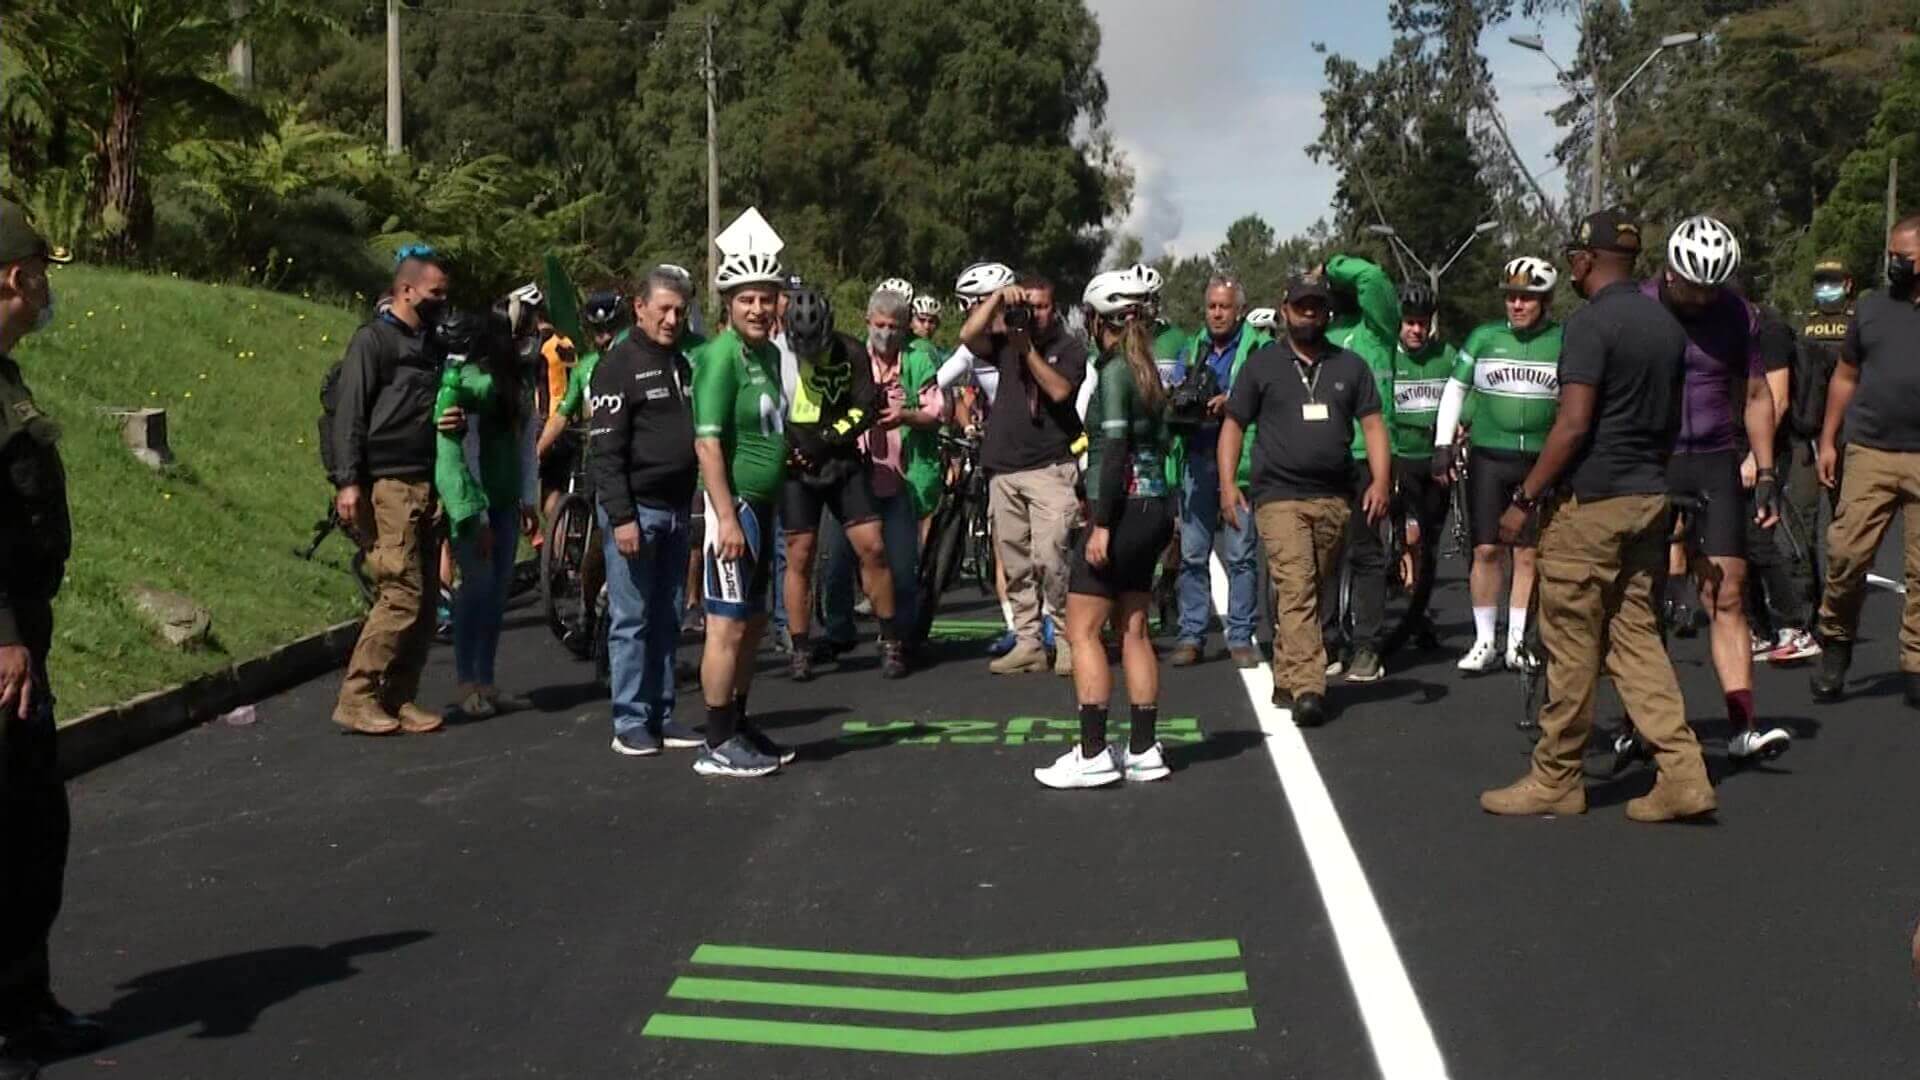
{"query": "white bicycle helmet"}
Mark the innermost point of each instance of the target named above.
(1149, 278)
(1703, 251)
(926, 304)
(749, 268)
(1115, 292)
(984, 278)
(528, 294)
(1262, 318)
(1527, 274)
(897, 285)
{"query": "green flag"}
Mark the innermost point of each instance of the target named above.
(563, 302)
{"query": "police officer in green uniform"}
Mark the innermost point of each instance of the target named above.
(35, 538)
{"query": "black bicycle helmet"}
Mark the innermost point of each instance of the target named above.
(458, 332)
(809, 323)
(1416, 298)
(601, 311)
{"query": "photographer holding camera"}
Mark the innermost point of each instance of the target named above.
(1202, 379)
(1028, 455)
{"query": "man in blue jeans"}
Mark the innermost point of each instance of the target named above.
(1217, 353)
(642, 461)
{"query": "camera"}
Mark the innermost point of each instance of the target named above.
(1187, 405)
(1018, 316)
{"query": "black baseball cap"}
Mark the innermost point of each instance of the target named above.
(1607, 230)
(1831, 268)
(20, 240)
(1305, 287)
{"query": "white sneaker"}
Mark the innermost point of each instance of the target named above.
(1514, 658)
(1484, 656)
(1073, 771)
(1760, 646)
(1759, 745)
(1794, 645)
(1335, 665)
(1142, 768)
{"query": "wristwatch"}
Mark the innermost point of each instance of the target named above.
(1521, 500)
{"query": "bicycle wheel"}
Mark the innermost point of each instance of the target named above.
(1533, 671)
(1401, 617)
(939, 569)
(562, 560)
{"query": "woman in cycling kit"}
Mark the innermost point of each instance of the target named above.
(1133, 520)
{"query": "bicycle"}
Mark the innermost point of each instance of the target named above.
(1400, 620)
(569, 590)
(357, 565)
(959, 540)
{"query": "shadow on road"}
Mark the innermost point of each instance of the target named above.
(224, 996)
(1218, 746)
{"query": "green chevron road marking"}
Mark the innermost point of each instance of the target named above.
(946, 1003)
(941, 1043)
(984, 967)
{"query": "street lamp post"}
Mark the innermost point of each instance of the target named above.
(1433, 276)
(1596, 186)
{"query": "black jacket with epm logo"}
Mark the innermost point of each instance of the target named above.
(383, 409)
(641, 439)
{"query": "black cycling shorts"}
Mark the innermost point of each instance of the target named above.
(1422, 498)
(739, 588)
(1722, 523)
(1492, 476)
(850, 498)
(1134, 549)
(562, 457)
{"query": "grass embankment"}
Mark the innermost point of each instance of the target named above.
(238, 371)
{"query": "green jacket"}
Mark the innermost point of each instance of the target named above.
(920, 365)
(468, 498)
(1199, 345)
(1372, 331)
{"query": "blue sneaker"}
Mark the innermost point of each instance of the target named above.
(1003, 646)
(636, 743)
(678, 736)
(735, 759)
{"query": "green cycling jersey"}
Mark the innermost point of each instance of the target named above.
(1419, 382)
(1510, 381)
(737, 399)
(1120, 421)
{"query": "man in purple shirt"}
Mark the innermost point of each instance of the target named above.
(1723, 365)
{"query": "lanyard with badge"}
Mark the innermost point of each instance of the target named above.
(1311, 411)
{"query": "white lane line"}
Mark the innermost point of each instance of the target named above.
(1403, 1042)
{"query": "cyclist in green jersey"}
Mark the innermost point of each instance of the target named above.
(741, 442)
(1421, 367)
(1112, 573)
(1168, 340)
(1366, 321)
(1508, 376)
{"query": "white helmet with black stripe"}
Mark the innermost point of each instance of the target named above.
(1702, 250)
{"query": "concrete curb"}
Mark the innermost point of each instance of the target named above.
(94, 739)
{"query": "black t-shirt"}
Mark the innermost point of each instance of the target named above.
(1883, 341)
(1777, 344)
(1633, 352)
(1025, 430)
(1295, 457)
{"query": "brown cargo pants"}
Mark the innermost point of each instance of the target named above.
(1034, 513)
(1303, 539)
(1598, 562)
(1876, 482)
(386, 664)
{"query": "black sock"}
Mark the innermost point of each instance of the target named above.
(740, 709)
(799, 640)
(1141, 735)
(886, 628)
(1093, 729)
(721, 723)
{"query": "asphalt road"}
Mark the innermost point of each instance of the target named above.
(510, 899)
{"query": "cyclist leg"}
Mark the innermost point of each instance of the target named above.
(836, 585)
(1489, 491)
(800, 512)
(853, 503)
(1520, 596)
(736, 595)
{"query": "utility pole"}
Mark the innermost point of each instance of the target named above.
(1893, 188)
(240, 57)
(393, 77)
(713, 161)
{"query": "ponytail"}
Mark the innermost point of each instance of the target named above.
(1137, 346)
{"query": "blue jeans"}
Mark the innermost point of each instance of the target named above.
(480, 604)
(645, 596)
(1199, 517)
(900, 533)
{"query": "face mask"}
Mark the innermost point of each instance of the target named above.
(1306, 333)
(1829, 293)
(430, 310)
(45, 318)
(1900, 272)
(884, 342)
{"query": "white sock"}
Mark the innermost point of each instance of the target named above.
(1484, 624)
(1006, 612)
(1516, 625)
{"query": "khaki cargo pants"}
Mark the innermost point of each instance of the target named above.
(1876, 482)
(1598, 562)
(386, 664)
(1303, 539)
(1034, 513)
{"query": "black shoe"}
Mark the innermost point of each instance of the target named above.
(1628, 750)
(1830, 679)
(14, 1064)
(1282, 699)
(764, 743)
(56, 1031)
(1309, 710)
(893, 660)
(800, 665)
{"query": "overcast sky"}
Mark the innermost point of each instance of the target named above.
(1215, 102)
